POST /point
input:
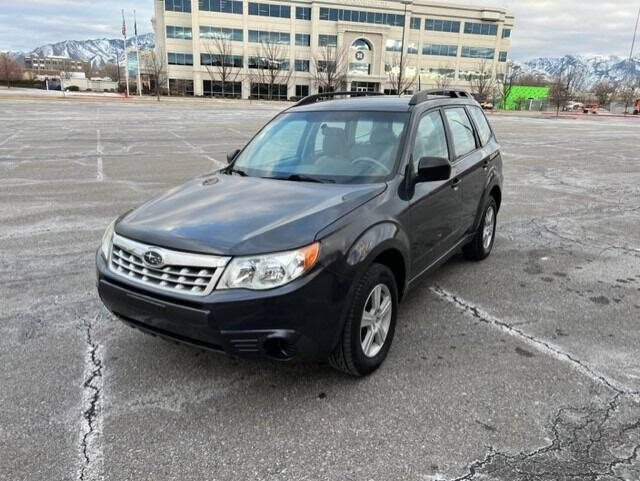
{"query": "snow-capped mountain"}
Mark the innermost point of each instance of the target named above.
(97, 52)
(596, 68)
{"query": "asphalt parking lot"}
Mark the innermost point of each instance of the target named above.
(522, 367)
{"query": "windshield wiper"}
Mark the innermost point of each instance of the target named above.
(303, 178)
(230, 170)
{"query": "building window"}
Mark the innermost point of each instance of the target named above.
(302, 91)
(335, 14)
(215, 89)
(233, 34)
(481, 28)
(303, 39)
(502, 57)
(361, 44)
(180, 87)
(303, 13)
(180, 58)
(412, 47)
(269, 10)
(393, 45)
(258, 36)
(261, 63)
(183, 6)
(359, 68)
(449, 26)
(415, 23)
(326, 66)
(439, 72)
(269, 91)
(302, 65)
(327, 40)
(217, 60)
(222, 6)
(478, 52)
(506, 33)
(179, 33)
(441, 50)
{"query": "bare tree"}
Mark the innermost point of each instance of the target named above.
(443, 82)
(628, 94)
(155, 64)
(88, 70)
(574, 78)
(109, 70)
(220, 65)
(401, 81)
(559, 93)
(9, 69)
(604, 92)
(270, 68)
(329, 70)
(482, 81)
(505, 86)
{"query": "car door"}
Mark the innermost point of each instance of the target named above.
(467, 164)
(434, 206)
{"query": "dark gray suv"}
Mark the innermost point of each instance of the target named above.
(302, 247)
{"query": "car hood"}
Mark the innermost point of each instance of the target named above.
(233, 215)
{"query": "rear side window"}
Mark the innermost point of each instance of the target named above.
(484, 131)
(461, 130)
(431, 140)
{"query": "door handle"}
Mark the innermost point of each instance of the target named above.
(455, 185)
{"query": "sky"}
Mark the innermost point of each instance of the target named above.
(544, 28)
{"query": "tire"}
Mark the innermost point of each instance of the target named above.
(479, 249)
(349, 355)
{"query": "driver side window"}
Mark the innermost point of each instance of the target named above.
(431, 139)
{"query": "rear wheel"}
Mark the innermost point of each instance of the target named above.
(480, 247)
(370, 325)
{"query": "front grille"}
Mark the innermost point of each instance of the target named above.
(195, 274)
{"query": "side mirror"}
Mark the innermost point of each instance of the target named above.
(432, 169)
(232, 155)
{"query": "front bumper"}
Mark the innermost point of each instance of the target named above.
(300, 321)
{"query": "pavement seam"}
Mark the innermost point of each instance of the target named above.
(541, 345)
(91, 457)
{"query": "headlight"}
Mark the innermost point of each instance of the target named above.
(268, 271)
(107, 238)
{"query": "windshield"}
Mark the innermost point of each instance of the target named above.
(340, 147)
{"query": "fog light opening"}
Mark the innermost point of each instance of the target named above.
(279, 348)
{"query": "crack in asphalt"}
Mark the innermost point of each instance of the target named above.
(597, 442)
(91, 428)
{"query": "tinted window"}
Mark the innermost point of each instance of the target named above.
(431, 140)
(461, 131)
(484, 131)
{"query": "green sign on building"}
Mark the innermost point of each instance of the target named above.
(526, 92)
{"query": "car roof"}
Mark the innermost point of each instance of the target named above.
(385, 103)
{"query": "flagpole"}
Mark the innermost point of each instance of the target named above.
(126, 56)
(635, 33)
(135, 29)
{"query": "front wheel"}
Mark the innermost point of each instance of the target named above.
(480, 247)
(370, 325)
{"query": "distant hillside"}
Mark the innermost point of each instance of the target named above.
(97, 52)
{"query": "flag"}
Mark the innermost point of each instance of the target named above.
(124, 26)
(135, 24)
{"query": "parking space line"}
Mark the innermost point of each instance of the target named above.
(11, 137)
(99, 166)
(216, 163)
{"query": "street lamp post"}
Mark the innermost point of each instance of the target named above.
(404, 28)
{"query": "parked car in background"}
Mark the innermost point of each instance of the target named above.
(303, 246)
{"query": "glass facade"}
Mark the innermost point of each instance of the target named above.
(481, 28)
(222, 6)
(502, 57)
(302, 90)
(261, 63)
(233, 34)
(302, 65)
(478, 52)
(217, 60)
(506, 33)
(269, 91)
(441, 50)
(216, 89)
(180, 58)
(269, 10)
(330, 40)
(259, 36)
(393, 45)
(412, 47)
(415, 23)
(183, 6)
(361, 16)
(303, 40)
(442, 25)
(179, 33)
(303, 13)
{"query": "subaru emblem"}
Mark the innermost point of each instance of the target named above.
(153, 259)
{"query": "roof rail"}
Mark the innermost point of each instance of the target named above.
(425, 95)
(312, 99)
